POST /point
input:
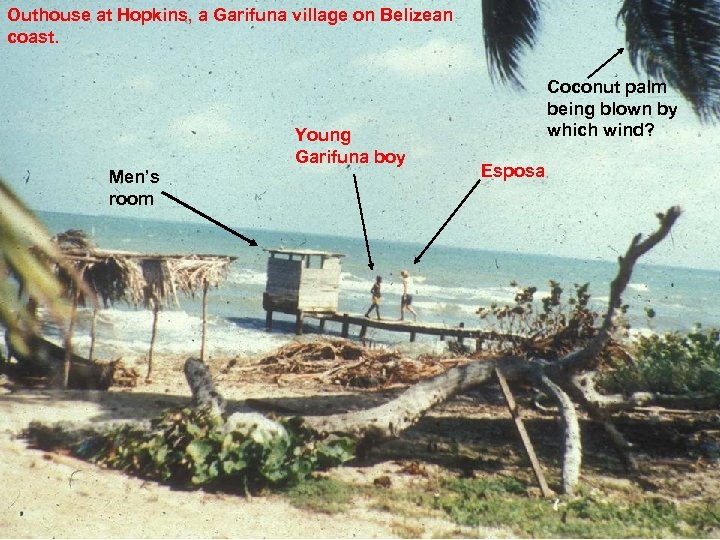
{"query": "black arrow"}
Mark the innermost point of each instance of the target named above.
(417, 259)
(215, 221)
(362, 220)
(619, 51)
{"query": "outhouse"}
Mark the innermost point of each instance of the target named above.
(301, 282)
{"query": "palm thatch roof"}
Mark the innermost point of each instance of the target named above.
(137, 278)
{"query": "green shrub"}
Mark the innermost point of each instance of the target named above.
(555, 324)
(193, 447)
(671, 363)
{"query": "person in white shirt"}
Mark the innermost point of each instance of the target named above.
(406, 300)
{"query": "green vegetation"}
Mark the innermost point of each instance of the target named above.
(323, 494)
(19, 229)
(555, 324)
(193, 447)
(503, 502)
(671, 363)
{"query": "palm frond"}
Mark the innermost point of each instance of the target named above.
(678, 41)
(509, 26)
(19, 229)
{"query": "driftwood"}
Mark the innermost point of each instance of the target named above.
(47, 363)
(561, 378)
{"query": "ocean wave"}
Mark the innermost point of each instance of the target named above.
(353, 284)
(127, 332)
(246, 276)
(445, 308)
(640, 287)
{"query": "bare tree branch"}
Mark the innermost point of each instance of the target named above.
(586, 359)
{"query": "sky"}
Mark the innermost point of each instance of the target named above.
(213, 109)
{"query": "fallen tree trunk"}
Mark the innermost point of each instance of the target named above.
(391, 418)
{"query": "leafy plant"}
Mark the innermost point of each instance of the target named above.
(194, 447)
(672, 363)
(548, 327)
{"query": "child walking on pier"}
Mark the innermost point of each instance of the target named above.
(376, 295)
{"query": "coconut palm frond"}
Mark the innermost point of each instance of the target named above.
(18, 230)
(509, 26)
(678, 41)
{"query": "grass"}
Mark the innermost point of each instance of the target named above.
(325, 495)
(503, 502)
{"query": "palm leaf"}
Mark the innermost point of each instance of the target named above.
(509, 26)
(19, 229)
(678, 41)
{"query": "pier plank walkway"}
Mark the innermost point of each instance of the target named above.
(395, 325)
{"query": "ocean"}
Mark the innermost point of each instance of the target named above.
(450, 285)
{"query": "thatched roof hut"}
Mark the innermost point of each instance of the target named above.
(136, 278)
(140, 279)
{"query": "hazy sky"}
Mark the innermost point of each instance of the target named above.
(213, 109)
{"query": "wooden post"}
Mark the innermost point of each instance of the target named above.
(460, 334)
(206, 284)
(345, 326)
(299, 323)
(91, 354)
(155, 308)
(268, 320)
(442, 337)
(68, 340)
(322, 326)
(363, 331)
(527, 445)
(412, 336)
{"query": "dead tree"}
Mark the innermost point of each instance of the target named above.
(565, 379)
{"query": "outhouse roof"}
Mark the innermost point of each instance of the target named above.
(305, 252)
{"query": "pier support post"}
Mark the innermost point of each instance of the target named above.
(461, 334)
(268, 320)
(363, 331)
(299, 323)
(345, 326)
(322, 326)
(412, 336)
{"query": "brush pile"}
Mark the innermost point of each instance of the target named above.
(346, 363)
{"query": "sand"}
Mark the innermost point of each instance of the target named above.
(50, 495)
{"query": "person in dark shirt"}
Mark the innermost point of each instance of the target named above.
(376, 295)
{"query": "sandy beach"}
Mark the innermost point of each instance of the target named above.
(54, 495)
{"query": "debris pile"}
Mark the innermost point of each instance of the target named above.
(346, 363)
(125, 376)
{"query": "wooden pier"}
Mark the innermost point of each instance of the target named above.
(306, 283)
(394, 325)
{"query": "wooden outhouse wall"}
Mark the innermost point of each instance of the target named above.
(283, 281)
(320, 287)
